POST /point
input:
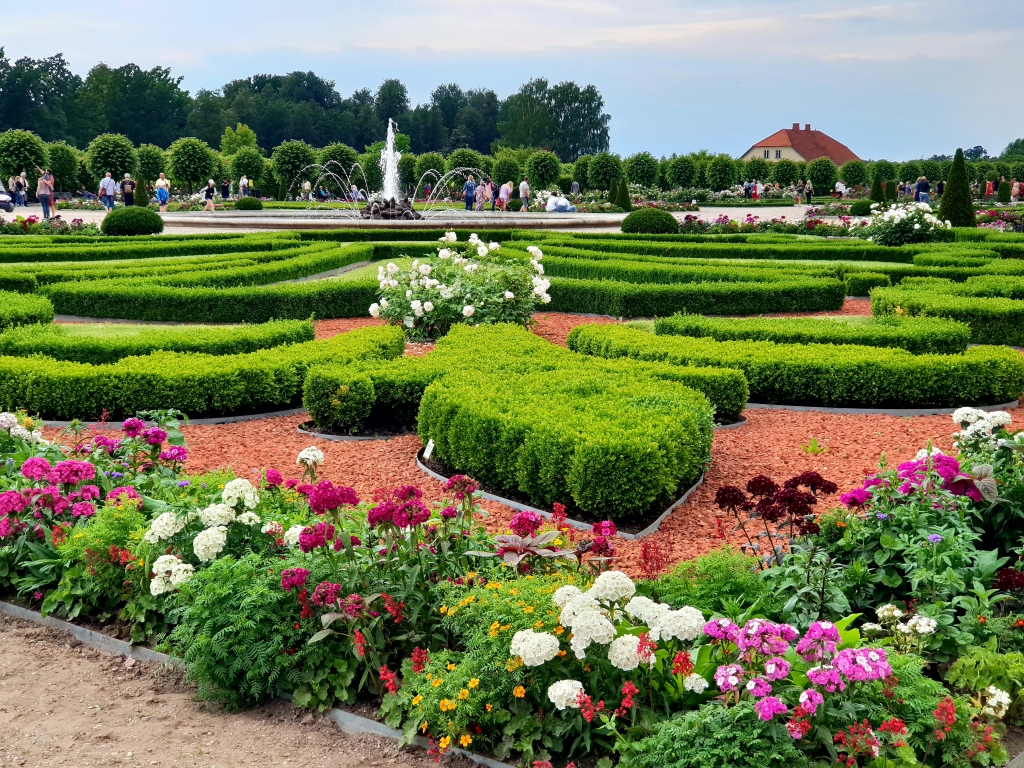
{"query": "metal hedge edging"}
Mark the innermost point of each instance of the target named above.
(197, 422)
(341, 438)
(650, 529)
(347, 722)
(882, 411)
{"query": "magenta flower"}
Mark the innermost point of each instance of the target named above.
(293, 577)
(315, 536)
(71, 472)
(327, 497)
(12, 502)
(35, 468)
(722, 629)
(769, 707)
(83, 509)
(175, 453)
(449, 512)
(6, 527)
(326, 593)
(89, 492)
(604, 528)
(861, 664)
(776, 668)
(274, 477)
(525, 523)
(858, 497)
(133, 427)
(758, 687)
(155, 435)
(819, 641)
(827, 678)
(810, 700)
(728, 677)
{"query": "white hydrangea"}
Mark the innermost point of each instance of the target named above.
(622, 653)
(241, 490)
(8, 420)
(375, 308)
(311, 456)
(684, 624)
(590, 627)
(645, 610)
(28, 436)
(534, 648)
(872, 627)
(564, 594)
(168, 574)
(249, 518)
(580, 603)
(695, 683)
(565, 693)
(163, 527)
(924, 453)
(217, 514)
(181, 573)
(922, 625)
(209, 543)
(474, 239)
(999, 419)
(997, 701)
(967, 415)
(889, 612)
(291, 536)
(612, 586)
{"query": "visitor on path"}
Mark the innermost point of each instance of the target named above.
(353, 193)
(128, 190)
(24, 189)
(469, 192)
(808, 191)
(840, 189)
(107, 190)
(799, 191)
(923, 191)
(559, 204)
(492, 194)
(1014, 190)
(209, 193)
(746, 189)
(754, 191)
(480, 195)
(426, 191)
(524, 193)
(503, 195)
(225, 189)
(574, 188)
(940, 188)
(163, 192)
(44, 190)
(243, 186)
(307, 191)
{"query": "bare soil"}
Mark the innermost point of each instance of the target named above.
(63, 704)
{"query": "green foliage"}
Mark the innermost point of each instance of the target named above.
(247, 162)
(370, 178)
(543, 169)
(650, 221)
(981, 667)
(892, 190)
(622, 198)
(854, 173)
(641, 168)
(339, 159)
(190, 162)
(17, 309)
(235, 139)
(822, 173)
(407, 172)
(682, 172)
(291, 164)
(62, 160)
(862, 207)
(909, 171)
(506, 168)
(604, 169)
(111, 153)
(581, 171)
(915, 334)
(817, 374)
(757, 169)
(132, 221)
(1003, 194)
(861, 283)
(101, 344)
(885, 169)
(721, 173)
(991, 320)
(877, 188)
(785, 172)
(152, 162)
(430, 161)
(21, 151)
(712, 581)
(715, 736)
(248, 204)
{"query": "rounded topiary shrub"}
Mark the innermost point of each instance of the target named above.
(132, 221)
(248, 204)
(650, 221)
(861, 207)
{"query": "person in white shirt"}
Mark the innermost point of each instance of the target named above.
(163, 192)
(840, 189)
(243, 186)
(524, 192)
(559, 204)
(108, 188)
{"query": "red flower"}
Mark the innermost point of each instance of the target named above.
(945, 717)
(395, 609)
(420, 658)
(390, 680)
(681, 664)
(653, 559)
(359, 641)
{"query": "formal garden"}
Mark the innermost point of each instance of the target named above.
(870, 615)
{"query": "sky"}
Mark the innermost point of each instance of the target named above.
(897, 80)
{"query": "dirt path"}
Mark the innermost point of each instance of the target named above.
(63, 704)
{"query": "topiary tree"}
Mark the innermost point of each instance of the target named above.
(247, 162)
(372, 177)
(62, 160)
(931, 170)
(189, 162)
(854, 173)
(887, 169)
(581, 171)
(604, 169)
(650, 221)
(822, 173)
(506, 168)
(877, 188)
(21, 151)
(892, 190)
(338, 159)
(682, 172)
(132, 221)
(613, 191)
(248, 204)
(85, 177)
(111, 153)
(543, 169)
(785, 172)
(758, 168)
(721, 173)
(1003, 193)
(407, 172)
(622, 199)
(429, 161)
(957, 204)
(152, 162)
(463, 158)
(292, 161)
(641, 168)
(664, 165)
(909, 171)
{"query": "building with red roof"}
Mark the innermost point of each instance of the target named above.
(800, 145)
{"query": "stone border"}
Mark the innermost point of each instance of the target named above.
(649, 530)
(84, 319)
(880, 411)
(347, 722)
(199, 422)
(340, 438)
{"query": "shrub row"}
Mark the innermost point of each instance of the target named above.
(198, 384)
(629, 271)
(914, 334)
(18, 309)
(146, 248)
(844, 250)
(991, 320)
(828, 375)
(100, 344)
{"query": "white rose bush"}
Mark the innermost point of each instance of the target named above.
(480, 283)
(902, 223)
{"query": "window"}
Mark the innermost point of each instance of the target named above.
(778, 154)
(766, 154)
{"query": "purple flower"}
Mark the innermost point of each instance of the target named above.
(155, 436)
(934, 538)
(855, 498)
(274, 477)
(183, 483)
(175, 453)
(133, 427)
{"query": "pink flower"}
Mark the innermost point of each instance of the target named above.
(860, 664)
(11, 502)
(133, 427)
(274, 477)
(155, 435)
(326, 497)
(293, 577)
(810, 700)
(758, 687)
(315, 536)
(326, 593)
(175, 453)
(728, 677)
(526, 523)
(89, 492)
(819, 641)
(826, 677)
(604, 528)
(71, 472)
(722, 629)
(6, 527)
(769, 707)
(776, 668)
(35, 468)
(855, 498)
(83, 509)
(125, 491)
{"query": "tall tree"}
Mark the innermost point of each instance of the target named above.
(34, 95)
(449, 100)
(525, 117)
(578, 122)
(391, 101)
(233, 140)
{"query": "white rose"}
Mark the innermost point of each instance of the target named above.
(509, 295)
(428, 306)
(375, 310)
(481, 251)
(468, 310)
(392, 268)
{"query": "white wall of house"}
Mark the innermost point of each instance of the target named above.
(771, 154)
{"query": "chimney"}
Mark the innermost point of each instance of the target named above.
(796, 126)
(807, 127)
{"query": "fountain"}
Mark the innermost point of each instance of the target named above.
(389, 206)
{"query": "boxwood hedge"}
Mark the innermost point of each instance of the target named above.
(19, 309)
(824, 374)
(991, 320)
(914, 334)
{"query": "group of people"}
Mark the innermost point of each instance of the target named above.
(478, 195)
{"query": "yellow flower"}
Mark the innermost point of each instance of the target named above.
(463, 694)
(447, 705)
(474, 683)
(424, 726)
(505, 626)
(538, 624)
(493, 585)
(430, 675)
(443, 609)
(490, 707)
(514, 591)
(451, 667)
(586, 667)
(528, 609)
(561, 654)
(436, 682)
(559, 630)
(512, 665)
(471, 575)
(519, 692)
(445, 742)
(416, 700)
(466, 740)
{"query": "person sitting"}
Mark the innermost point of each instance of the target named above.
(559, 204)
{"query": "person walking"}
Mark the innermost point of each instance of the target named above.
(107, 190)
(754, 191)
(210, 193)
(225, 189)
(481, 195)
(574, 188)
(940, 188)
(163, 192)
(808, 191)
(503, 195)
(128, 190)
(799, 195)
(24, 189)
(243, 186)
(44, 190)
(923, 191)
(524, 193)
(492, 194)
(469, 192)
(1014, 190)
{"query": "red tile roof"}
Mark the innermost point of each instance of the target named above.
(808, 144)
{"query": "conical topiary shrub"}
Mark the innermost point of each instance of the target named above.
(623, 200)
(957, 203)
(892, 190)
(1003, 194)
(613, 191)
(877, 188)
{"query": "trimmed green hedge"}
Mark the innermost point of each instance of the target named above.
(19, 309)
(132, 220)
(801, 249)
(861, 283)
(100, 344)
(650, 221)
(198, 384)
(150, 246)
(914, 334)
(828, 375)
(991, 320)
